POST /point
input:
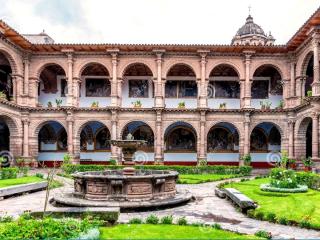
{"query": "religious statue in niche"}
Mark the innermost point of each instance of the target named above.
(97, 87)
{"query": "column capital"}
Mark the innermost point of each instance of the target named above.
(315, 115)
(248, 54)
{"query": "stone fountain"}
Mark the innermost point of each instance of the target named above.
(127, 188)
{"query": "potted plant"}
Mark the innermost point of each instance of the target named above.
(307, 162)
(309, 93)
(280, 105)
(137, 104)
(95, 104)
(246, 159)
(182, 104)
(3, 96)
(58, 102)
(292, 163)
(49, 104)
(265, 105)
(223, 105)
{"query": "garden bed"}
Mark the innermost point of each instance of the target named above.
(203, 178)
(163, 231)
(299, 209)
(19, 181)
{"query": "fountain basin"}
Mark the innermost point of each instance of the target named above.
(115, 185)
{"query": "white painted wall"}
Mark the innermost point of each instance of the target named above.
(180, 157)
(95, 156)
(51, 156)
(232, 103)
(274, 99)
(44, 98)
(223, 157)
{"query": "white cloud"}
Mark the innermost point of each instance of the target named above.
(155, 21)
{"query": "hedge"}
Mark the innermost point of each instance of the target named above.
(219, 169)
(312, 180)
(9, 173)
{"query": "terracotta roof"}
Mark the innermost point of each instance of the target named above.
(292, 44)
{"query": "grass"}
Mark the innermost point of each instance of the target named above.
(149, 231)
(292, 206)
(202, 178)
(18, 181)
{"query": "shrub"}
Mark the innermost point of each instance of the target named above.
(135, 221)
(305, 224)
(259, 215)
(246, 159)
(39, 175)
(67, 159)
(283, 178)
(263, 234)
(309, 179)
(242, 170)
(216, 226)
(271, 217)
(152, 219)
(167, 220)
(283, 221)
(6, 219)
(182, 221)
(251, 213)
(113, 162)
(9, 173)
(24, 171)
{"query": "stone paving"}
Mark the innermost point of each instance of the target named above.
(207, 208)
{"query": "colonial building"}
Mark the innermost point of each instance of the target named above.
(189, 102)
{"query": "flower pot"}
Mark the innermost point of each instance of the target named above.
(292, 165)
(307, 168)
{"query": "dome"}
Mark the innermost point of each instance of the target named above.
(252, 34)
(250, 28)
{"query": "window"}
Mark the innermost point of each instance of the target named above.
(225, 89)
(138, 88)
(98, 87)
(260, 89)
(181, 89)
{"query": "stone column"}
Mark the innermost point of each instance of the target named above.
(242, 92)
(70, 122)
(114, 127)
(291, 123)
(25, 122)
(316, 69)
(303, 85)
(115, 97)
(203, 98)
(292, 79)
(34, 91)
(202, 150)
(26, 76)
(159, 94)
(158, 141)
(315, 136)
(246, 145)
(76, 93)
(286, 91)
(247, 95)
(70, 79)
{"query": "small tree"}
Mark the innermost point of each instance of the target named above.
(246, 158)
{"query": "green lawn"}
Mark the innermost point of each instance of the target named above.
(202, 178)
(18, 181)
(292, 206)
(147, 231)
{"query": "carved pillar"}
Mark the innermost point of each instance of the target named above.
(292, 79)
(246, 145)
(159, 93)
(76, 92)
(286, 90)
(70, 79)
(291, 123)
(25, 122)
(158, 141)
(316, 73)
(248, 81)
(115, 97)
(315, 135)
(303, 85)
(114, 127)
(242, 92)
(34, 91)
(119, 91)
(203, 98)
(70, 122)
(26, 63)
(202, 150)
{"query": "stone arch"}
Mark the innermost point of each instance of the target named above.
(301, 61)
(44, 122)
(227, 63)
(86, 64)
(12, 58)
(188, 65)
(305, 63)
(274, 65)
(40, 68)
(79, 128)
(12, 125)
(301, 136)
(125, 67)
(224, 126)
(279, 128)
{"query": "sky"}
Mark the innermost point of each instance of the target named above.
(154, 21)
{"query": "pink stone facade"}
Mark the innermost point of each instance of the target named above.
(25, 117)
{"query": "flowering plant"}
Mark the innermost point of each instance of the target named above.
(283, 178)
